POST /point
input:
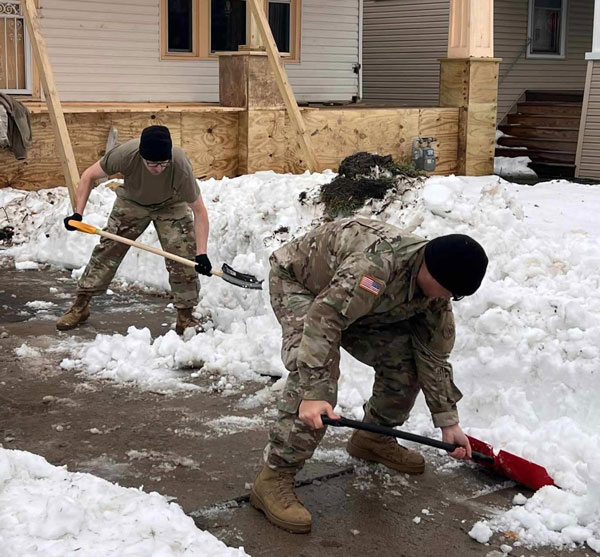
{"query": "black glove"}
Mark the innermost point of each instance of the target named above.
(74, 216)
(203, 265)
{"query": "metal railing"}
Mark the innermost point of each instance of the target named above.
(514, 62)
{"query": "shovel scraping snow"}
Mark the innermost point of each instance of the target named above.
(505, 464)
(227, 273)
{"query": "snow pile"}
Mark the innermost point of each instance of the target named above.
(45, 510)
(527, 350)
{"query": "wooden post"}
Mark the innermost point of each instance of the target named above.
(57, 117)
(471, 29)
(284, 86)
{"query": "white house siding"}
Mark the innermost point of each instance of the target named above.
(510, 29)
(403, 42)
(109, 50)
(589, 162)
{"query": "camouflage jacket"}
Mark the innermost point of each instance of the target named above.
(364, 272)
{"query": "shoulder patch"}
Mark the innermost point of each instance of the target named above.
(370, 285)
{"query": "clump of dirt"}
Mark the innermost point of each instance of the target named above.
(365, 176)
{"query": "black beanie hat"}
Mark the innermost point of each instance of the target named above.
(457, 262)
(156, 144)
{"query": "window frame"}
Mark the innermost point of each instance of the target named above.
(201, 32)
(563, 34)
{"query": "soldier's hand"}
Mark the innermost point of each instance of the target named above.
(74, 216)
(454, 435)
(203, 264)
(310, 412)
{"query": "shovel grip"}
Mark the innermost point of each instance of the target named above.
(374, 428)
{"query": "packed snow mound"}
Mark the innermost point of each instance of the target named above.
(527, 350)
(48, 511)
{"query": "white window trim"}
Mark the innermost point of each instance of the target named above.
(563, 35)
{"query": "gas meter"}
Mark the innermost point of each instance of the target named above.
(423, 154)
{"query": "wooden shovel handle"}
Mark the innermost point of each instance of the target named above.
(89, 229)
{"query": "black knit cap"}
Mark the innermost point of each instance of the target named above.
(457, 262)
(156, 144)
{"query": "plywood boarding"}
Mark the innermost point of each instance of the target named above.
(87, 39)
(589, 160)
(209, 138)
(338, 133)
(481, 138)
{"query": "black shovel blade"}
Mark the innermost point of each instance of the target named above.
(240, 279)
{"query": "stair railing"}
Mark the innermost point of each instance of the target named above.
(514, 62)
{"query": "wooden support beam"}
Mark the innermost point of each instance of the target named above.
(284, 86)
(63, 141)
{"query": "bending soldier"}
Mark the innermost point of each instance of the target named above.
(384, 296)
(159, 187)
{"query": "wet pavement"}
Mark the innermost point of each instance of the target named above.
(203, 448)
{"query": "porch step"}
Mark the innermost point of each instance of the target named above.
(539, 143)
(542, 133)
(544, 121)
(545, 108)
(554, 96)
(537, 155)
(552, 170)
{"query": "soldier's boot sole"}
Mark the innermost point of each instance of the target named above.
(68, 325)
(293, 527)
(366, 454)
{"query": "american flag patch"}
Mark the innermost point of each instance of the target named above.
(370, 285)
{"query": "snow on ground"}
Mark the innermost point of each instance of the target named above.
(528, 342)
(46, 510)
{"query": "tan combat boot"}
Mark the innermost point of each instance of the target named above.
(273, 493)
(77, 314)
(185, 319)
(384, 449)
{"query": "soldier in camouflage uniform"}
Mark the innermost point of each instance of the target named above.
(384, 296)
(160, 188)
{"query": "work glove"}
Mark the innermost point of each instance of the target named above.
(203, 265)
(74, 216)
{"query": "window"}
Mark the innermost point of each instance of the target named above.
(200, 29)
(15, 57)
(547, 28)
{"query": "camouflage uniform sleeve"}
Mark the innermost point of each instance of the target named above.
(340, 304)
(433, 340)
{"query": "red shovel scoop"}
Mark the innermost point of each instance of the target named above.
(505, 464)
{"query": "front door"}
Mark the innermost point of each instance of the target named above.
(15, 54)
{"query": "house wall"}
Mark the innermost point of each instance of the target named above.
(402, 44)
(103, 50)
(510, 28)
(404, 40)
(588, 165)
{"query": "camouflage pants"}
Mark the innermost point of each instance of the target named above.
(175, 228)
(386, 348)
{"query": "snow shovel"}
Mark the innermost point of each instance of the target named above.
(227, 273)
(504, 464)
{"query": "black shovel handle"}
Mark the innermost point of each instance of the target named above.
(374, 428)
